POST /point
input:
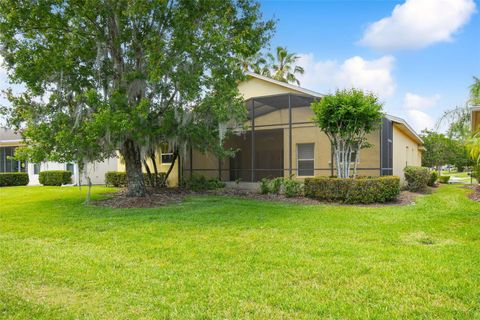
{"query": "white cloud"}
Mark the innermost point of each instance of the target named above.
(419, 23)
(370, 75)
(415, 101)
(416, 107)
(420, 120)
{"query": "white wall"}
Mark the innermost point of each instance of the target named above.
(44, 166)
(95, 170)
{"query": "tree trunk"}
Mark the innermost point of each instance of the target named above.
(439, 170)
(155, 169)
(151, 179)
(175, 156)
(133, 165)
(89, 191)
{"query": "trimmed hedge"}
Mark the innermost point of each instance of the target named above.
(119, 179)
(364, 190)
(443, 179)
(116, 179)
(55, 177)
(13, 179)
(417, 178)
(201, 183)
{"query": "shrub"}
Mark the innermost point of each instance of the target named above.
(55, 177)
(292, 188)
(276, 185)
(200, 183)
(365, 190)
(116, 179)
(273, 186)
(13, 179)
(433, 179)
(214, 184)
(443, 179)
(265, 186)
(119, 179)
(417, 178)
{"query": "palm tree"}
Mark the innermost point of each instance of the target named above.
(475, 92)
(256, 63)
(283, 66)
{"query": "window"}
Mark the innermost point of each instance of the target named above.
(353, 156)
(69, 167)
(7, 164)
(305, 159)
(167, 158)
(36, 168)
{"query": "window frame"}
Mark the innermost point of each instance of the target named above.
(166, 154)
(299, 160)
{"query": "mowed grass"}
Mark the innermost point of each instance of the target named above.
(227, 258)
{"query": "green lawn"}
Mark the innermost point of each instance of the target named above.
(224, 258)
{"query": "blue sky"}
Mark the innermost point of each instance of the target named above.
(418, 55)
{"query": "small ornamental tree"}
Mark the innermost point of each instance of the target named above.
(347, 117)
(126, 75)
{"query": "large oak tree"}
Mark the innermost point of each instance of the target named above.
(123, 74)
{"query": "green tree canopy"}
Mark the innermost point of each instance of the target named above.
(346, 118)
(124, 74)
(442, 150)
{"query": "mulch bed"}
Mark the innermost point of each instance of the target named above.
(158, 198)
(475, 195)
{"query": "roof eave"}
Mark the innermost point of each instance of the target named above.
(285, 85)
(406, 125)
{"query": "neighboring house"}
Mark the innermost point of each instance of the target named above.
(9, 141)
(476, 119)
(282, 140)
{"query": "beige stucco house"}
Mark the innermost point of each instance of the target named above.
(282, 140)
(476, 119)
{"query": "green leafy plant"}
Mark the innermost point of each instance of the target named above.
(365, 190)
(292, 188)
(265, 186)
(201, 183)
(444, 179)
(417, 178)
(55, 177)
(347, 117)
(476, 172)
(433, 179)
(13, 179)
(276, 185)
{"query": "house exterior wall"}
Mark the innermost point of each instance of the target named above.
(95, 170)
(304, 130)
(476, 120)
(161, 167)
(406, 151)
(254, 87)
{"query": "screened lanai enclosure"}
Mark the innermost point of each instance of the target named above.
(266, 148)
